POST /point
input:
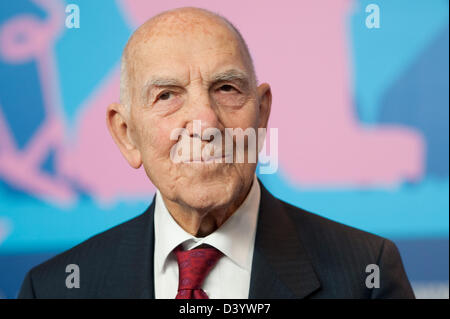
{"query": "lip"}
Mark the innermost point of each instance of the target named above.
(208, 160)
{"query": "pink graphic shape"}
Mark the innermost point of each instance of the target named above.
(90, 160)
(24, 38)
(302, 50)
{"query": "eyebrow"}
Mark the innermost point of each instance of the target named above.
(162, 82)
(231, 75)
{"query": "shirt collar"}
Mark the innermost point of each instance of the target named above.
(235, 238)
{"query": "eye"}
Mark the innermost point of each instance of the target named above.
(165, 96)
(227, 88)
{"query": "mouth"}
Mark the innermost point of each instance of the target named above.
(225, 159)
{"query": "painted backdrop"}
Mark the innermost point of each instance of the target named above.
(362, 116)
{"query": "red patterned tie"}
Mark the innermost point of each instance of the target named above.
(194, 265)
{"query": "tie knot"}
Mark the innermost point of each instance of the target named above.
(194, 265)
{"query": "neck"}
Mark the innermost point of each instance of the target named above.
(201, 223)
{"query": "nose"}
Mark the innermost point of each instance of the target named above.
(202, 116)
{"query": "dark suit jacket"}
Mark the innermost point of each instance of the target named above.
(297, 255)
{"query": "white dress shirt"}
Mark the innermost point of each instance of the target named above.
(230, 277)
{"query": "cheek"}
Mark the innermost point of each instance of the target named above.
(157, 142)
(244, 118)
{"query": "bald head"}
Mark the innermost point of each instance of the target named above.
(197, 24)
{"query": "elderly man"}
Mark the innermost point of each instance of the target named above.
(213, 230)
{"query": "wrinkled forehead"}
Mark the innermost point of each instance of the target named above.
(177, 44)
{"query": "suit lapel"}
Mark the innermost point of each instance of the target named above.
(281, 267)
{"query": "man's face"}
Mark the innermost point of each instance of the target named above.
(179, 77)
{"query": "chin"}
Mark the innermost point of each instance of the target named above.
(201, 186)
(209, 195)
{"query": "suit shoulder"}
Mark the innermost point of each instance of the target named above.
(96, 252)
(313, 227)
(340, 255)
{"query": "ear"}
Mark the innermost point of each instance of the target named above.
(265, 104)
(116, 120)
